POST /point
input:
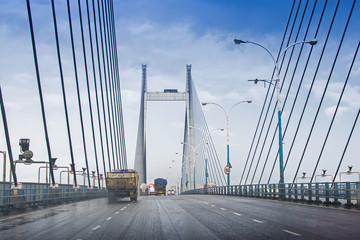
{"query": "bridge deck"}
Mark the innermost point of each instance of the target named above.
(183, 217)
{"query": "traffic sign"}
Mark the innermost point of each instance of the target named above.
(227, 170)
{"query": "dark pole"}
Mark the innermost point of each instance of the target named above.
(7, 136)
(40, 92)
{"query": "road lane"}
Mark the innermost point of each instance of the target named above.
(182, 217)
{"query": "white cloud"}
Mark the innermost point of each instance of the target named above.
(341, 110)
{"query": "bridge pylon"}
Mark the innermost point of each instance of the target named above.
(188, 162)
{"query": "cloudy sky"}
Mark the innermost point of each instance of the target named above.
(167, 35)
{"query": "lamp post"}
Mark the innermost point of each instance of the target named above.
(194, 152)
(227, 113)
(206, 160)
(276, 85)
(182, 167)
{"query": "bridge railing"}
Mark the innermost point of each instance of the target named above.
(347, 193)
(41, 194)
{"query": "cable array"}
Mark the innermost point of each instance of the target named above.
(96, 42)
(308, 20)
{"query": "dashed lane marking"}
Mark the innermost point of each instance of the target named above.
(98, 226)
(109, 218)
(213, 205)
(223, 209)
(122, 209)
(258, 221)
(238, 214)
(117, 213)
(292, 233)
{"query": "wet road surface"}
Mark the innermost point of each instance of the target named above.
(182, 217)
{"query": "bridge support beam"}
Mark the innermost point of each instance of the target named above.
(189, 165)
(140, 155)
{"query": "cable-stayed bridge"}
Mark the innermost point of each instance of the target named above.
(72, 111)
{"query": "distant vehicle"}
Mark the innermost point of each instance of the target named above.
(170, 192)
(160, 186)
(170, 90)
(144, 189)
(152, 189)
(211, 184)
(122, 183)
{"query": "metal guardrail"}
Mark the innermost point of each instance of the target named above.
(41, 194)
(347, 193)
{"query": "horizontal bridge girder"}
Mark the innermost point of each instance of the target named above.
(165, 96)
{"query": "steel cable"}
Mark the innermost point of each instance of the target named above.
(77, 88)
(42, 105)
(346, 146)
(272, 95)
(337, 107)
(287, 94)
(63, 89)
(323, 95)
(267, 93)
(123, 145)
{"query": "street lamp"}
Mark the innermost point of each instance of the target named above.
(227, 113)
(194, 152)
(276, 85)
(206, 137)
(182, 168)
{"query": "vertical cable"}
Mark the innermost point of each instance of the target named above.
(88, 91)
(334, 115)
(287, 94)
(272, 95)
(310, 89)
(95, 82)
(266, 97)
(109, 53)
(101, 89)
(118, 87)
(7, 137)
(106, 78)
(347, 143)
(63, 89)
(77, 88)
(40, 92)
(322, 98)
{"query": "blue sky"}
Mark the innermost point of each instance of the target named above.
(167, 35)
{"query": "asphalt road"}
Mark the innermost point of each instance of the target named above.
(182, 217)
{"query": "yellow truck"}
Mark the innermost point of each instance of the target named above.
(122, 183)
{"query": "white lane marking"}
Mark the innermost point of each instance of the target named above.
(206, 202)
(122, 209)
(223, 209)
(292, 233)
(213, 205)
(117, 213)
(238, 214)
(98, 226)
(109, 218)
(258, 221)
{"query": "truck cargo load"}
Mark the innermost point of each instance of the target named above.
(144, 189)
(160, 186)
(122, 183)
